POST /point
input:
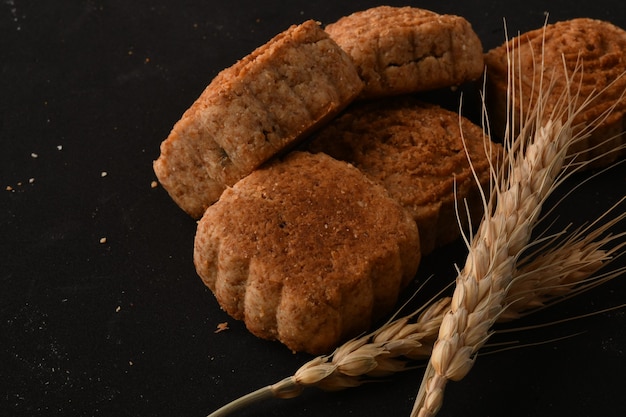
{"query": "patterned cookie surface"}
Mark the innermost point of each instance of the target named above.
(401, 50)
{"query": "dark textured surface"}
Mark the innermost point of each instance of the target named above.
(125, 327)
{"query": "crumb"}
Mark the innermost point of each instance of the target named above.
(59, 147)
(31, 180)
(221, 327)
(130, 363)
(104, 174)
(118, 309)
(9, 188)
(154, 184)
(34, 155)
(103, 240)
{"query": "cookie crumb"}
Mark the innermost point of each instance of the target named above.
(104, 174)
(118, 309)
(34, 155)
(103, 240)
(31, 180)
(154, 184)
(9, 188)
(59, 147)
(221, 327)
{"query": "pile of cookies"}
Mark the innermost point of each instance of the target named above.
(320, 180)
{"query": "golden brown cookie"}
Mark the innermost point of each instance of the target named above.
(596, 45)
(400, 50)
(254, 110)
(306, 250)
(417, 152)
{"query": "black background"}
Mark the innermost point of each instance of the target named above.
(125, 327)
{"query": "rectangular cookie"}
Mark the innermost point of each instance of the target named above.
(254, 110)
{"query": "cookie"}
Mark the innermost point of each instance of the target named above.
(254, 110)
(400, 50)
(598, 47)
(417, 152)
(306, 250)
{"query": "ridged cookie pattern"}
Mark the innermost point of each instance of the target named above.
(400, 50)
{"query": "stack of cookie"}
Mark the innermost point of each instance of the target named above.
(320, 180)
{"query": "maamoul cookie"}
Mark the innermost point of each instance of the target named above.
(401, 50)
(306, 250)
(596, 45)
(416, 151)
(254, 110)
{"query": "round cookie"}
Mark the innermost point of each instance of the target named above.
(400, 50)
(417, 152)
(254, 110)
(598, 47)
(306, 250)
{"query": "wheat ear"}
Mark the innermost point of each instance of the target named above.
(533, 169)
(481, 287)
(565, 266)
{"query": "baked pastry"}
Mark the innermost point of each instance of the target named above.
(254, 110)
(417, 152)
(306, 250)
(594, 45)
(400, 50)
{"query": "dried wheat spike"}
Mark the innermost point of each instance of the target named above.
(534, 168)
